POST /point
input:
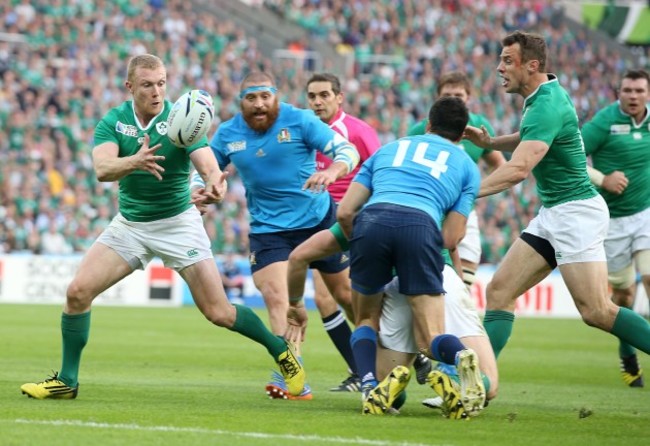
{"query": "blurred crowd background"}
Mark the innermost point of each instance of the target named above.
(63, 64)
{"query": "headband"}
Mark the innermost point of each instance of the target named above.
(255, 88)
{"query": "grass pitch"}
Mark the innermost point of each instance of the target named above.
(153, 376)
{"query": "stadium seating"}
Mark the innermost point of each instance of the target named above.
(62, 65)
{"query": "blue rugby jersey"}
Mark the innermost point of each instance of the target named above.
(425, 172)
(275, 164)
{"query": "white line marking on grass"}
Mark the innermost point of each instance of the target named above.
(198, 430)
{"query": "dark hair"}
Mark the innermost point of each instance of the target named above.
(637, 74)
(531, 46)
(448, 118)
(455, 78)
(326, 77)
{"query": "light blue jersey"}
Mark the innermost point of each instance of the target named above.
(275, 165)
(425, 172)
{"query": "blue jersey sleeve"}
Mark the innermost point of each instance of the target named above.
(470, 188)
(217, 146)
(329, 142)
(364, 176)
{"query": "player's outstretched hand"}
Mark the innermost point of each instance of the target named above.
(201, 197)
(296, 323)
(215, 192)
(198, 200)
(480, 137)
(616, 182)
(147, 160)
(319, 181)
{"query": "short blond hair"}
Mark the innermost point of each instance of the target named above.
(148, 61)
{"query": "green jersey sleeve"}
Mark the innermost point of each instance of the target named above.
(539, 125)
(104, 132)
(418, 129)
(594, 135)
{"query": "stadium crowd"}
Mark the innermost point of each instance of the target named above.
(61, 62)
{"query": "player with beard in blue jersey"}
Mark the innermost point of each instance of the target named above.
(273, 145)
(405, 189)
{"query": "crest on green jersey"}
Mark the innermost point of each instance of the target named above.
(162, 127)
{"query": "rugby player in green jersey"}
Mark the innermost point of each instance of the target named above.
(571, 226)
(155, 218)
(618, 141)
(457, 84)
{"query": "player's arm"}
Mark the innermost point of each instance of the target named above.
(345, 158)
(343, 153)
(493, 159)
(525, 157)
(453, 229)
(211, 175)
(615, 182)
(481, 137)
(109, 166)
(594, 136)
(454, 255)
(355, 197)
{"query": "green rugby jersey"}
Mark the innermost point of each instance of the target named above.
(549, 116)
(616, 142)
(141, 196)
(475, 152)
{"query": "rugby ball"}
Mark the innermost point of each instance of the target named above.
(190, 118)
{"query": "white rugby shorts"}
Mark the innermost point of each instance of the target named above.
(179, 241)
(576, 229)
(626, 236)
(396, 323)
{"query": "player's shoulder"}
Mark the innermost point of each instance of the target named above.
(290, 112)
(232, 128)
(419, 128)
(608, 113)
(476, 120)
(122, 112)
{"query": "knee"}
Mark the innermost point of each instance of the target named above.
(624, 297)
(601, 317)
(225, 319)
(342, 294)
(497, 294)
(296, 258)
(274, 294)
(78, 297)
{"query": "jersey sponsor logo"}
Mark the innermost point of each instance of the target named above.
(284, 136)
(236, 146)
(620, 129)
(637, 135)
(161, 127)
(260, 153)
(125, 129)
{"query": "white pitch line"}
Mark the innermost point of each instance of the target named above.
(198, 430)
